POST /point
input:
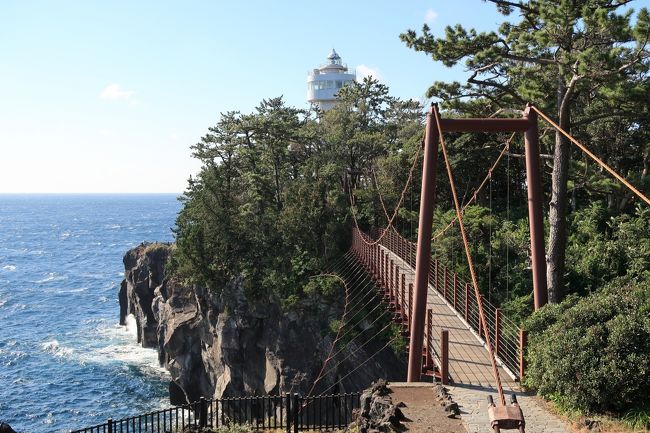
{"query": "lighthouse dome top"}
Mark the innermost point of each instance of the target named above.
(334, 57)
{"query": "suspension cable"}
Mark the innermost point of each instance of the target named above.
(338, 331)
(361, 364)
(399, 203)
(472, 199)
(479, 301)
(592, 156)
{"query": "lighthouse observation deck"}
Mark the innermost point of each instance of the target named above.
(324, 82)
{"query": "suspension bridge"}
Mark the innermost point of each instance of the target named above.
(454, 334)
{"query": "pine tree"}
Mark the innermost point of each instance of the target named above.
(588, 53)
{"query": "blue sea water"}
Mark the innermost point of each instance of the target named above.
(64, 360)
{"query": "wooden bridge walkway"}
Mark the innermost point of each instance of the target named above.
(469, 361)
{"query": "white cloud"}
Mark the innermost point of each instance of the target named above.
(366, 71)
(115, 91)
(430, 16)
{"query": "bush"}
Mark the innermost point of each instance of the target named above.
(593, 354)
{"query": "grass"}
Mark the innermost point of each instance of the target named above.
(633, 421)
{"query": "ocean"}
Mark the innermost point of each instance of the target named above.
(65, 362)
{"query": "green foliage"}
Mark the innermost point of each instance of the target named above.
(593, 354)
(270, 205)
(637, 418)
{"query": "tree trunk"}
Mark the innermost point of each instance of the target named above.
(556, 254)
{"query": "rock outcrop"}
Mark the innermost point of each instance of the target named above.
(220, 348)
(377, 412)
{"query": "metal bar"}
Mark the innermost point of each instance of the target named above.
(497, 330)
(444, 356)
(444, 282)
(523, 341)
(455, 288)
(484, 125)
(429, 335)
(466, 302)
(423, 259)
(535, 213)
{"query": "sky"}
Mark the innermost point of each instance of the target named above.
(108, 96)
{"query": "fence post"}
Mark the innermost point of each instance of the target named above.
(295, 405)
(203, 412)
(428, 359)
(397, 283)
(435, 275)
(467, 302)
(410, 303)
(110, 425)
(455, 288)
(523, 341)
(444, 356)
(444, 282)
(390, 279)
(288, 412)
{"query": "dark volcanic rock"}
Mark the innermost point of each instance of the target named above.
(216, 347)
(6, 428)
(143, 272)
(378, 413)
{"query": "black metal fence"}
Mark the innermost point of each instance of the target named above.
(289, 412)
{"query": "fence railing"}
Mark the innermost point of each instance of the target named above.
(290, 412)
(508, 339)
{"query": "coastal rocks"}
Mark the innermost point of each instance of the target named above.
(6, 428)
(143, 272)
(216, 347)
(377, 413)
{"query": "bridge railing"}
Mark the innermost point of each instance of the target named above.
(507, 338)
(290, 412)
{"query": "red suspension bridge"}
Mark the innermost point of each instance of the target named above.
(454, 334)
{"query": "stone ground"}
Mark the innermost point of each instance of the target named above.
(422, 409)
(473, 408)
(426, 414)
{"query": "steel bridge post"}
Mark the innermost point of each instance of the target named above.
(423, 257)
(535, 213)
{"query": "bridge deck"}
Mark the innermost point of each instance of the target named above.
(469, 361)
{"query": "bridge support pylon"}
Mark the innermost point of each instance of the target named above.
(423, 254)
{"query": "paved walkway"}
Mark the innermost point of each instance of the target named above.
(473, 410)
(471, 370)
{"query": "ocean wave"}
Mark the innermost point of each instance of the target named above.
(113, 226)
(51, 276)
(125, 349)
(9, 268)
(54, 348)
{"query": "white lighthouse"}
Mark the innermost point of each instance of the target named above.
(325, 81)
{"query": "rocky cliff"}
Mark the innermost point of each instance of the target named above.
(218, 348)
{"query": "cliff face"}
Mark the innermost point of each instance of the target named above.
(215, 348)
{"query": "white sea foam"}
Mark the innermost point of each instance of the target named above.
(51, 276)
(53, 347)
(132, 326)
(125, 349)
(9, 268)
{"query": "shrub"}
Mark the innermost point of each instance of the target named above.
(593, 354)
